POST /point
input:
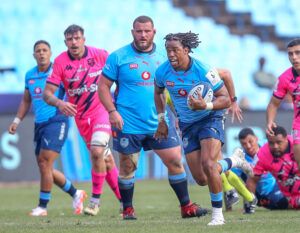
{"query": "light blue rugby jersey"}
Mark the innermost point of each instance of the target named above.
(134, 72)
(35, 83)
(179, 84)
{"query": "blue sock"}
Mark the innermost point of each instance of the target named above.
(226, 164)
(69, 188)
(44, 198)
(179, 184)
(216, 199)
(126, 187)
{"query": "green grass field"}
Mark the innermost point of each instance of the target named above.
(156, 208)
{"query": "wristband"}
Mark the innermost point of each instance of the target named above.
(17, 120)
(161, 117)
(233, 99)
(114, 110)
(209, 106)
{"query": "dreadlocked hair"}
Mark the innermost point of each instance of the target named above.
(188, 39)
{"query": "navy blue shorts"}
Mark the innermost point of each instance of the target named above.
(193, 133)
(51, 135)
(133, 143)
(274, 200)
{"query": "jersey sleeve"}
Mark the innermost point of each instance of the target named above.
(159, 78)
(280, 87)
(26, 81)
(57, 74)
(214, 79)
(111, 68)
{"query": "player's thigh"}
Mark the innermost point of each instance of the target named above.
(194, 162)
(210, 149)
(170, 155)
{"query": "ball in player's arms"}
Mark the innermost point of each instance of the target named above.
(204, 89)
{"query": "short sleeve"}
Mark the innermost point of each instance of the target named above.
(57, 74)
(111, 68)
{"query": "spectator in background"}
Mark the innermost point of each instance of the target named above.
(262, 78)
(245, 103)
(50, 131)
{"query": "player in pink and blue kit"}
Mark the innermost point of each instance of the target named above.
(288, 84)
(79, 69)
(277, 157)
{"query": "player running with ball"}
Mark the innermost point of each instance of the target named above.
(202, 131)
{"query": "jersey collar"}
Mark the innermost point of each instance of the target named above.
(139, 51)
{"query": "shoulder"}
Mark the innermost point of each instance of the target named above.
(97, 51)
(61, 58)
(30, 73)
(286, 75)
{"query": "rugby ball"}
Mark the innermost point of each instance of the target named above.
(204, 89)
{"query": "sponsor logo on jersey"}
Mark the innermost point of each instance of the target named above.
(170, 83)
(146, 75)
(81, 90)
(81, 69)
(182, 92)
(37, 90)
(72, 79)
(31, 81)
(94, 74)
(133, 66)
(69, 67)
(213, 76)
(180, 80)
(146, 63)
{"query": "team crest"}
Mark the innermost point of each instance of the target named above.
(185, 142)
(124, 142)
(133, 66)
(146, 75)
(91, 62)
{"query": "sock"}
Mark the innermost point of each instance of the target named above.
(112, 180)
(237, 183)
(69, 188)
(126, 187)
(179, 184)
(217, 213)
(226, 164)
(44, 198)
(97, 182)
(216, 199)
(225, 183)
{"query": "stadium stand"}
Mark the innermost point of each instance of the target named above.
(109, 29)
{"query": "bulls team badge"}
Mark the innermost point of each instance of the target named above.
(124, 142)
(146, 75)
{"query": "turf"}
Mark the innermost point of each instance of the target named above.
(156, 208)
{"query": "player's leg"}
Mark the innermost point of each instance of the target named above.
(239, 185)
(231, 196)
(99, 142)
(112, 173)
(45, 161)
(169, 150)
(129, 147)
(210, 149)
(66, 185)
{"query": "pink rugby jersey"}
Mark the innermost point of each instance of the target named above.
(289, 82)
(80, 79)
(284, 169)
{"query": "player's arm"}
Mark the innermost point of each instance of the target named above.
(235, 110)
(22, 111)
(160, 103)
(271, 114)
(104, 87)
(49, 97)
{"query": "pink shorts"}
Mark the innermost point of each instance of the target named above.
(88, 126)
(294, 201)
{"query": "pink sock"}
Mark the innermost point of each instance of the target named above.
(112, 180)
(98, 181)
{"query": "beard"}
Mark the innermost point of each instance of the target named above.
(143, 45)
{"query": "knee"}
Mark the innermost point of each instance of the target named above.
(44, 163)
(127, 167)
(109, 162)
(202, 181)
(209, 166)
(96, 153)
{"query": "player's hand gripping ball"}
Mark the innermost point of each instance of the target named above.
(204, 89)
